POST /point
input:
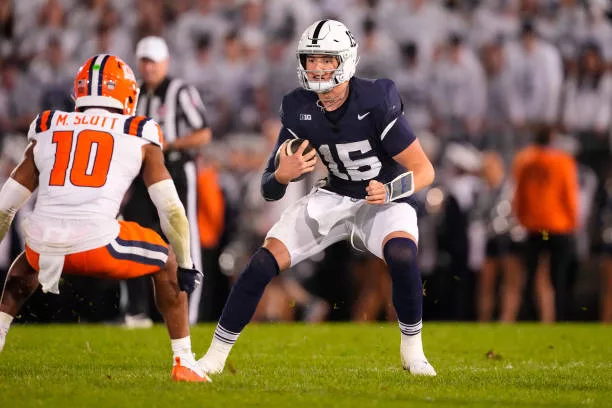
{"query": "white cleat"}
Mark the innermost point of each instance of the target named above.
(419, 367)
(210, 365)
(2, 340)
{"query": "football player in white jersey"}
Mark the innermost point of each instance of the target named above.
(82, 163)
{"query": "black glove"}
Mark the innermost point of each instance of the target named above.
(189, 279)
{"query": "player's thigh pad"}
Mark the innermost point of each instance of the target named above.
(374, 222)
(312, 224)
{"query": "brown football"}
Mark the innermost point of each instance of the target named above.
(292, 146)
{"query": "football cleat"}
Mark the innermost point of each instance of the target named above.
(188, 371)
(419, 367)
(210, 365)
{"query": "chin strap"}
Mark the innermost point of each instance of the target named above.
(400, 187)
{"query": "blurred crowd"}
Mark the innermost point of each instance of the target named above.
(481, 82)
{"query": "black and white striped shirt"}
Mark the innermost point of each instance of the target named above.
(176, 106)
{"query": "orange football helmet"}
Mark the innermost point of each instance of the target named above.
(106, 81)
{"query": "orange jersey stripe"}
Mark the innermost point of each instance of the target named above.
(43, 120)
(134, 125)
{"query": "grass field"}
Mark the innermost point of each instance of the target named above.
(334, 365)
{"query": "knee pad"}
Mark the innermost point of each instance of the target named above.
(262, 265)
(400, 251)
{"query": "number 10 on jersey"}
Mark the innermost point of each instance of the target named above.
(90, 161)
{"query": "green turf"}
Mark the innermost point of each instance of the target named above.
(335, 365)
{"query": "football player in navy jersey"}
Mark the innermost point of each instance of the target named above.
(375, 164)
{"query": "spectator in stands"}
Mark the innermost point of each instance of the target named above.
(16, 95)
(497, 127)
(459, 92)
(536, 79)
(413, 80)
(587, 109)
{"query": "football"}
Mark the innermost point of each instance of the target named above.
(292, 146)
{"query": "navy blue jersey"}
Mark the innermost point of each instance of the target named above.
(357, 146)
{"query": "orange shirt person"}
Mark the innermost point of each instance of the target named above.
(546, 190)
(546, 204)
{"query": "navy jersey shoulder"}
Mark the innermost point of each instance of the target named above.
(379, 97)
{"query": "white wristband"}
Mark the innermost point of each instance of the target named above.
(400, 187)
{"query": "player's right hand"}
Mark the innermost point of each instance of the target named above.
(291, 167)
(189, 279)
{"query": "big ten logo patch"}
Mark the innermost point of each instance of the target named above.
(305, 116)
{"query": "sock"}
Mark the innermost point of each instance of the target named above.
(241, 304)
(221, 345)
(182, 347)
(411, 347)
(401, 257)
(245, 295)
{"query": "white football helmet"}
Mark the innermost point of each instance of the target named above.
(327, 37)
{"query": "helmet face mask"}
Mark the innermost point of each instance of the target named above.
(326, 38)
(108, 82)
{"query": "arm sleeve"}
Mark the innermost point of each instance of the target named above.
(271, 188)
(396, 134)
(173, 220)
(12, 197)
(192, 106)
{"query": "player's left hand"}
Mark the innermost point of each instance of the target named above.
(189, 279)
(377, 193)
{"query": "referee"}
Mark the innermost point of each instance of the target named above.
(178, 109)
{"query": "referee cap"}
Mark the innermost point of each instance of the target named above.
(153, 48)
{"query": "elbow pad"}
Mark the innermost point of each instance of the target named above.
(173, 220)
(12, 197)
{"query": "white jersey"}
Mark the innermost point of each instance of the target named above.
(86, 163)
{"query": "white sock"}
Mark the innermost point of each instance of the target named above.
(412, 347)
(5, 322)
(219, 350)
(182, 347)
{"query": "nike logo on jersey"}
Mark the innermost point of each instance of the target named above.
(359, 117)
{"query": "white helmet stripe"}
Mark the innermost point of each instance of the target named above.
(95, 75)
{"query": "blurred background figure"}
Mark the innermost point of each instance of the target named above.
(536, 79)
(458, 92)
(546, 204)
(461, 244)
(178, 109)
(502, 252)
